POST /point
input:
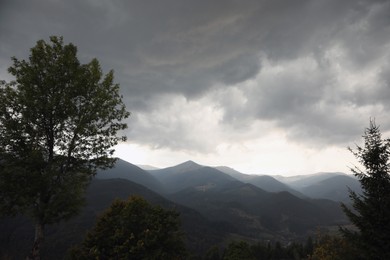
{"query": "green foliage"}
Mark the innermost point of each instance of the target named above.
(333, 248)
(213, 254)
(238, 250)
(58, 124)
(371, 210)
(133, 229)
(243, 250)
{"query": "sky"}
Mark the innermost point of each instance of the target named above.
(264, 87)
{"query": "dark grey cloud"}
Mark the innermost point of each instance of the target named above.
(231, 50)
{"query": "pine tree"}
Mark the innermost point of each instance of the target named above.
(370, 212)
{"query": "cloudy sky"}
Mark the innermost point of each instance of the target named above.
(267, 87)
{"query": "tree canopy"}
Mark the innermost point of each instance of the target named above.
(59, 121)
(370, 211)
(134, 229)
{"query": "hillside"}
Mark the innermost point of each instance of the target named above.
(333, 188)
(17, 233)
(190, 174)
(256, 213)
(128, 171)
(215, 204)
(265, 182)
(300, 181)
(177, 169)
(222, 194)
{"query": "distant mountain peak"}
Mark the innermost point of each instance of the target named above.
(177, 169)
(188, 165)
(189, 162)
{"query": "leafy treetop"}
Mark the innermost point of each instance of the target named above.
(134, 229)
(59, 121)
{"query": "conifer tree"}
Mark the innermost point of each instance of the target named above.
(58, 124)
(370, 212)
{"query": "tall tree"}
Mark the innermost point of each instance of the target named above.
(133, 229)
(371, 210)
(59, 121)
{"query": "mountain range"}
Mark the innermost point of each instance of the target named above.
(216, 205)
(263, 205)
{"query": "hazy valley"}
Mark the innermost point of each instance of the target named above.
(217, 205)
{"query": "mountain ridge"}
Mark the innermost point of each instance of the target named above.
(126, 170)
(213, 206)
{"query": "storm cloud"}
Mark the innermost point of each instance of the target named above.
(200, 74)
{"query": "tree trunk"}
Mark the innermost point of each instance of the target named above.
(35, 251)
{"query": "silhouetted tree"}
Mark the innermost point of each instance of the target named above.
(58, 124)
(134, 229)
(371, 210)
